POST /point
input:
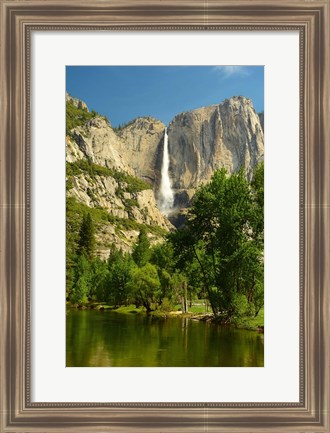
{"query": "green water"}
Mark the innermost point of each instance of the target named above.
(108, 339)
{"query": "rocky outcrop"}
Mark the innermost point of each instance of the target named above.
(123, 208)
(261, 117)
(141, 147)
(97, 141)
(135, 149)
(76, 102)
(225, 135)
(107, 193)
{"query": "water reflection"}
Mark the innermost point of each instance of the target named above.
(104, 339)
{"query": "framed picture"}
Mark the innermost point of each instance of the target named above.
(186, 48)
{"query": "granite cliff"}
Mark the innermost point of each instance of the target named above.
(226, 135)
(229, 134)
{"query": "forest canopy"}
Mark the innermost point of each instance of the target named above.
(217, 255)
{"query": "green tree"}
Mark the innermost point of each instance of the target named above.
(115, 255)
(82, 281)
(179, 283)
(99, 275)
(86, 238)
(145, 286)
(76, 116)
(142, 252)
(224, 234)
(257, 190)
(70, 265)
(117, 287)
(162, 258)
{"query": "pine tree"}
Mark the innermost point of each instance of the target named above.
(86, 241)
(82, 281)
(142, 252)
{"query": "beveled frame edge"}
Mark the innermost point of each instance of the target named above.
(18, 19)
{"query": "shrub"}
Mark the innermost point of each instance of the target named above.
(129, 183)
(79, 116)
(76, 116)
(167, 305)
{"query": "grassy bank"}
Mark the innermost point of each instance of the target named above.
(197, 311)
(249, 322)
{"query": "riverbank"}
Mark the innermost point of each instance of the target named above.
(197, 312)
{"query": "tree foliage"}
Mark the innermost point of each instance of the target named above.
(224, 235)
(217, 255)
(76, 116)
(145, 286)
(141, 252)
(120, 266)
(86, 240)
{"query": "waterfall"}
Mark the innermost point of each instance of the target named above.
(166, 196)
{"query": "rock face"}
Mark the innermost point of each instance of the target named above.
(229, 134)
(226, 135)
(135, 149)
(140, 145)
(107, 193)
(98, 141)
(76, 102)
(261, 117)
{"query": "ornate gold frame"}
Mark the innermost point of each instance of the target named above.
(18, 19)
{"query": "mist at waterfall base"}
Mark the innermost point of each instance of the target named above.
(165, 195)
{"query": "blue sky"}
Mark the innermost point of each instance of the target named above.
(124, 92)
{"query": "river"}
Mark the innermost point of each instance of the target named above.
(110, 339)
